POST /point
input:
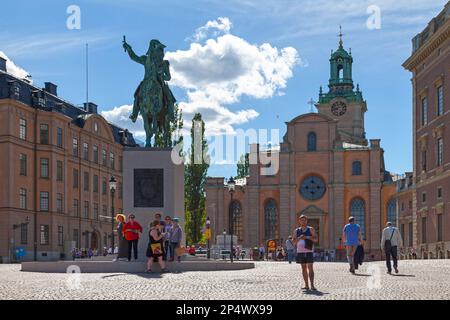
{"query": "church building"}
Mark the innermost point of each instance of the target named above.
(328, 170)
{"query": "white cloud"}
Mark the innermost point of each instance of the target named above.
(213, 27)
(120, 117)
(12, 68)
(216, 75)
(221, 71)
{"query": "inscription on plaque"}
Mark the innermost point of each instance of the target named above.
(148, 188)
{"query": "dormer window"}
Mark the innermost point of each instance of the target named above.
(95, 127)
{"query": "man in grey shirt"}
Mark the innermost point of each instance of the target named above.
(391, 239)
(176, 235)
(290, 248)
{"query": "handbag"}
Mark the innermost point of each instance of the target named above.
(179, 251)
(156, 248)
(388, 243)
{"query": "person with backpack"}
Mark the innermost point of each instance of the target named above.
(391, 239)
(352, 239)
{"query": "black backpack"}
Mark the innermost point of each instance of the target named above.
(388, 243)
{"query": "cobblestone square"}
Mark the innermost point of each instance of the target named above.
(418, 279)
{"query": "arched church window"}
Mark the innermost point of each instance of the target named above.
(356, 168)
(392, 212)
(340, 72)
(312, 142)
(236, 212)
(358, 211)
(270, 220)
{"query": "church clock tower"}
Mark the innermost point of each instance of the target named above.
(343, 102)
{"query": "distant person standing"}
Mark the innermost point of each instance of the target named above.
(155, 250)
(175, 236)
(290, 247)
(132, 229)
(352, 239)
(391, 239)
(167, 228)
(123, 244)
(305, 236)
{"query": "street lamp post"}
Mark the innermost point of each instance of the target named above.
(208, 232)
(112, 188)
(231, 187)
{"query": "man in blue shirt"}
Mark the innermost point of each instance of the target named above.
(352, 238)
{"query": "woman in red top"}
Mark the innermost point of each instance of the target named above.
(131, 233)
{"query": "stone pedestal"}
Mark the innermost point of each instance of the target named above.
(152, 183)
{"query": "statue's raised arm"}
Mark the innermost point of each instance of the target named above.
(131, 53)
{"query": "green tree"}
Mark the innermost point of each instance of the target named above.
(175, 129)
(243, 166)
(196, 170)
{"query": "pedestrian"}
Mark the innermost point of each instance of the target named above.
(175, 237)
(132, 229)
(290, 247)
(90, 253)
(262, 252)
(155, 250)
(250, 253)
(352, 238)
(391, 239)
(167, 228)
(305, 236)
(123, 244)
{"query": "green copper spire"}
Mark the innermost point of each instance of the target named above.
(341, 81)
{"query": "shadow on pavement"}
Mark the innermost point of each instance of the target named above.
(404, 275)
(315, 293)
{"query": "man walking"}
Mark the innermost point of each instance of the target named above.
(290, 247)
(352, 238)
(390, 240)
(305, 236)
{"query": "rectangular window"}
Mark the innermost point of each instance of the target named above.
(120, 163)
(95, 184)
(59, 137)
(403, 206)
(95, 152)
(59, 170)
(86, 151)
(86, 181)
(44, 200)
(24, 233)
(60, 236)
(45, 235)
(440, 152)
(23, 129)
(86, 210)
(23, 164)
(96, 211)
(440, 100)
(75, 178)
(76, 238)
(424, 160)
(104, 186)
(44, 133)
(22, 198)
(75, 147)
(439, 193)
(104, 159)
(424, 230)
(111, 160)
(44, 168)
(59, 203)
(439, 227)
(76, 209)
(424, 197)
(410, 242)
(424, 115)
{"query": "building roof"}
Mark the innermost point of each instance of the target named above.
(39, 98)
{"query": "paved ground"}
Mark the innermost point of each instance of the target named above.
(429, 279)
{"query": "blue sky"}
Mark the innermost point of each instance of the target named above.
(243, 63)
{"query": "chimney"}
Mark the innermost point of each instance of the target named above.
(51, 88)
(90, 107)
(2, 64)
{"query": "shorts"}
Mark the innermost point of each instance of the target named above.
(305, 257)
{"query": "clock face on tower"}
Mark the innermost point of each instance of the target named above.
(339, 108)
